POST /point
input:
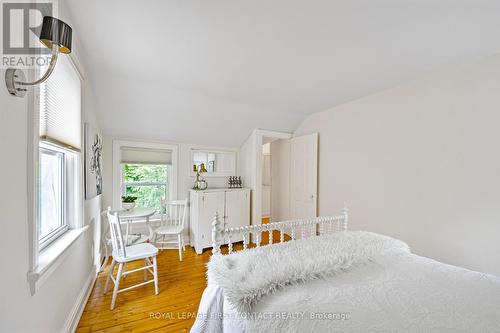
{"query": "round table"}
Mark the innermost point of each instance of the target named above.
(137, 214)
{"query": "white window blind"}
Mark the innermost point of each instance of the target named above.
(145, 156)
(60, 106)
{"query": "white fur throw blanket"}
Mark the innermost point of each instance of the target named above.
(247, 276)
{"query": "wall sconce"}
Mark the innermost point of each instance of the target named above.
(56, 35)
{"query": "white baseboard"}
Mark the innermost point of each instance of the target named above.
(77, 310)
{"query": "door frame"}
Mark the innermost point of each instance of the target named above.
(257, 193)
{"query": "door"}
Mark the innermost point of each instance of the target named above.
(280, 180)
(304, 176)
(211, 202)
(237, 212)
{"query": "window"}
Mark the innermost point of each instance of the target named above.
(146, 170)
(55, 173)
(58, 176)
(147, 182)
(51, 219)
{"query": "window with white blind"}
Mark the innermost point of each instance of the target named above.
(146, 170)
(58, 175)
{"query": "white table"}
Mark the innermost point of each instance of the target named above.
(128, 216)
(138, 213)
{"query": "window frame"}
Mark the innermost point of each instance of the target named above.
(117, 165)
(53, 235)
(124, 184)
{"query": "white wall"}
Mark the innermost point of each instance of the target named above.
(49, 309)
(184, 173)
(420, 162)
(247, 164)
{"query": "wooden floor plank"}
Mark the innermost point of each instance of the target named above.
(140, 310)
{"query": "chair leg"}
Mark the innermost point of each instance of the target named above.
(145, 270)
(111, 268)
(155, 271)
(183, 245)
(117, 284)
(124, 270)
(180, 246)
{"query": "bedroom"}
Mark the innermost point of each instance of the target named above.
(386, 108)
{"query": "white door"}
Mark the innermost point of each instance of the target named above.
(237, 210)
(211, 202)
(280, 180)
(304, 176)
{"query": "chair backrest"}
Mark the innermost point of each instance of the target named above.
(116, 233)
(175, 212)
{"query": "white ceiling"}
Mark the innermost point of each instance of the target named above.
(210, 71)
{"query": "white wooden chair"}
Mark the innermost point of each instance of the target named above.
(172, 224)
(106, 238)
(123, 254)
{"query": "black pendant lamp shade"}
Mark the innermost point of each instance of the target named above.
(56, 32)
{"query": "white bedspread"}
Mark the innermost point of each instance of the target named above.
(400, 292)
(248, 276)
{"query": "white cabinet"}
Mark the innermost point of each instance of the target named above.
(232, 205)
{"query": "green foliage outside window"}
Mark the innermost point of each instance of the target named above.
(145, 173)
(146, 182)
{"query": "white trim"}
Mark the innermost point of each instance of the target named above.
(51, 149)
(273, 134)
(32, 173)
(77, 310)
(257, 193)
(51, 257)
(117, 173)
(77, 66)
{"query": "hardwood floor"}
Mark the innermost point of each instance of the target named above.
(140, 310)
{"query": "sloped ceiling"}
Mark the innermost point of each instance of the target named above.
(209, 71)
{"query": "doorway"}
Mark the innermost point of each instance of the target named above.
(266, 180)
(285, 177)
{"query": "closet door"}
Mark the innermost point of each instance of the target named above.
(237, 212)
(211, 202)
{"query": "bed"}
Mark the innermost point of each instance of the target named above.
(329, 279)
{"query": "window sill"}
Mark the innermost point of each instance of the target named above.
(51, 257)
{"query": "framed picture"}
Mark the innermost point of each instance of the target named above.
(93, 162)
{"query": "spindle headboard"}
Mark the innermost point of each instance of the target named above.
(306, 227)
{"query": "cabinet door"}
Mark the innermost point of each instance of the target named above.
(211, 202)
(237, 209)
